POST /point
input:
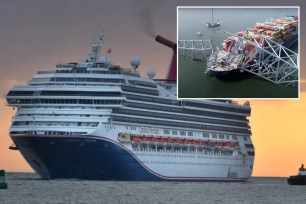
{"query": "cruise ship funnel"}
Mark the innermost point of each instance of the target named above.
(172, 69)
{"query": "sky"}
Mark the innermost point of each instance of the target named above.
(37, 34)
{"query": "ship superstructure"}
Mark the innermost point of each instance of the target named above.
(96, 120)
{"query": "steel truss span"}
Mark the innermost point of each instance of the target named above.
(195, 49)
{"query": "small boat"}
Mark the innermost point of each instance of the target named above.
(299, 179)
(213, 24)
(199, 34)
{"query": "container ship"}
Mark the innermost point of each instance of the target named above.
(237, 54)
(96, 120)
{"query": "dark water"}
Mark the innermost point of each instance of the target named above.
(193, 83)
(27, 188)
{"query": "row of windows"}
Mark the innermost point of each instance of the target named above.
(85, 71)
(189, 154)
(46, 133)
(181, 149)
(78, 79)
(251, 153)
(63, 93)
(178, 124)
(142, 83)
(54, 123)
(249, 145)
(62, 115)
(216, 107)
(63, 101)
(139, 90)
(179, 117)
(194, 163)
(153, 100)
(215, 155)
(185, 111)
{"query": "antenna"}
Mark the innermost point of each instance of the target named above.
(97, 44)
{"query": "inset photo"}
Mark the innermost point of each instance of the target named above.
(238, 52)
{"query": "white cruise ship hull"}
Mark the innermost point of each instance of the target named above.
(105, 158)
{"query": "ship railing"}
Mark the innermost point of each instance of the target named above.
(122, 72)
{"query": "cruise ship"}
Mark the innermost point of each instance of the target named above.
(96, 120)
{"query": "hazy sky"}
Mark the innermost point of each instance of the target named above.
(37, 34)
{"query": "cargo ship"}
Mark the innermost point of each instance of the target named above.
(96, 120)
(237, 54)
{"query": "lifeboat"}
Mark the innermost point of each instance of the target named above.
(194, 142)
(154, 139)
(229, 145)
(146, 139)
(136, 139)
(171, 140)
(202, 143)
(218, 145)
(186, 141)
(162, 140)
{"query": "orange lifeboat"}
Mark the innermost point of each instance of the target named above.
(154, 139)
(202, 143)
(229, 145)
(146, 139)
(162, 140)
(171, 140)
(194, 142)
(136, 139)
(218, 144)
(186, 141)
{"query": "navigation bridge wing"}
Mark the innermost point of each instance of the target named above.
(195, 49)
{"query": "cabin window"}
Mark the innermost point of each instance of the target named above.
(182, 133)
(205, 135)
(174, 132)
(214, 135)
(166, 131)
(190, 133)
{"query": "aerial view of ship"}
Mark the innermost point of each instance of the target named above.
(97, 120)
(243, 49)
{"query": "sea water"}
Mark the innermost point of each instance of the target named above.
(194, 83)
(28, 188)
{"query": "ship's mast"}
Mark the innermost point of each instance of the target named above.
(212, 15)
(97, 44)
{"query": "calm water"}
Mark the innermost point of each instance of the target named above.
(27, 188)
(193, 83)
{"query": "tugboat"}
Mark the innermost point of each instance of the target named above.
(299, 179)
